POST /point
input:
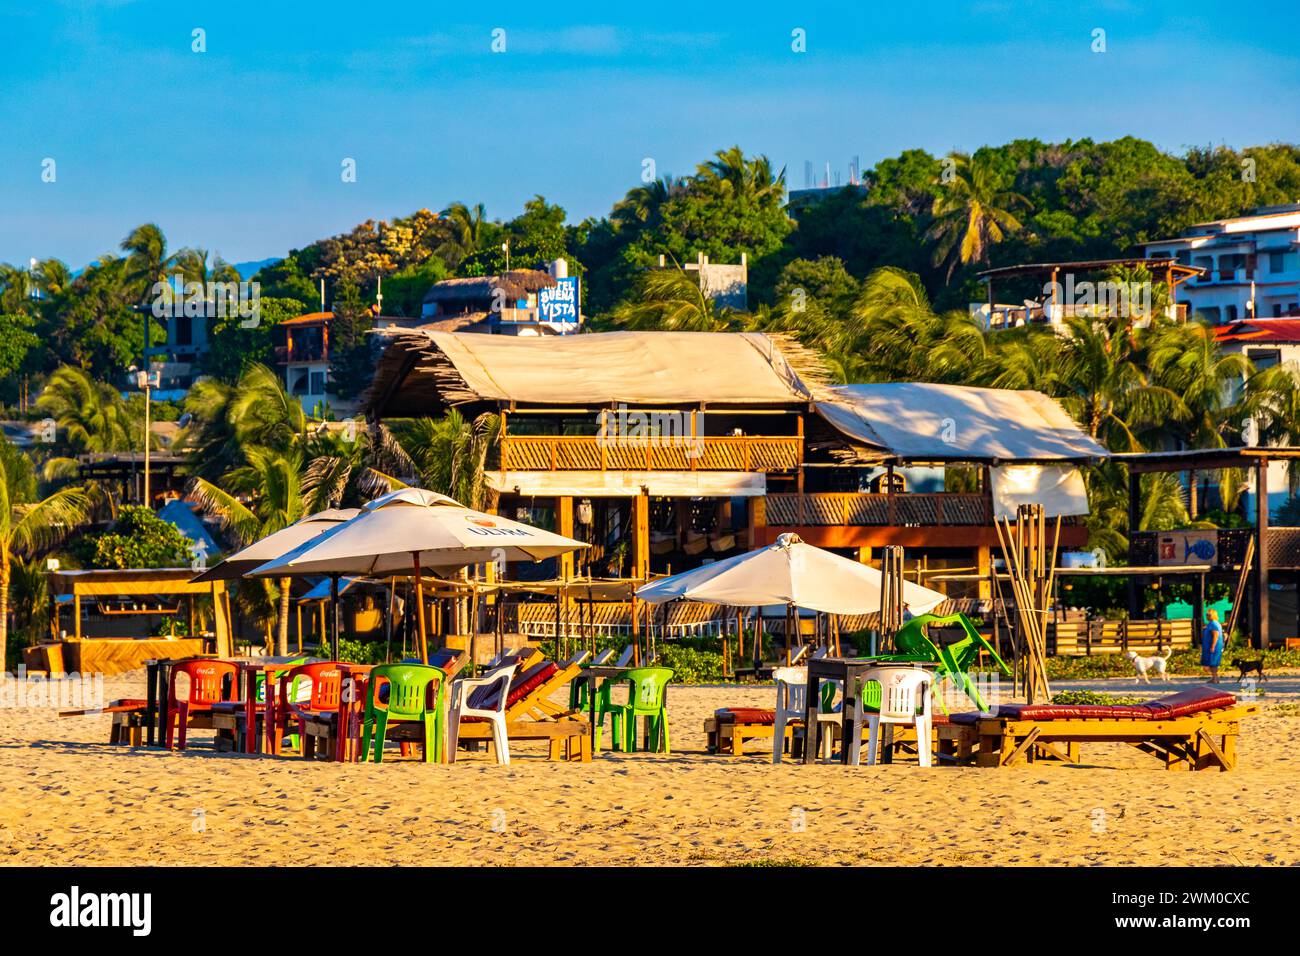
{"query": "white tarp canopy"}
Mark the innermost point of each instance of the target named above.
(1059, 489)
(787, 572)
(925, 422)
(636, 368)
(390, 531)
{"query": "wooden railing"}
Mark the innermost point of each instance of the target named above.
(1083, 638)
(594, 453)
(922, 510)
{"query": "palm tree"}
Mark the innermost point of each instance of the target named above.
(671, 299)
(91, 416)
(53, 277)
(341, 469)
(15, 287)
(1187, 360)
(28, 524)
(1103, 383)
(260, 498)
(148, 261)
(971, 213)
(449, 455)
(899, 335)
(462, 232)
(262, 412)
(745, 179)
(642, 204)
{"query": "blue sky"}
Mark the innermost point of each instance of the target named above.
(238, 149)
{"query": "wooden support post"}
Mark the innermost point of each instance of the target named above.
(1259, 638)
(641, 535)
(1135, 582)
(564, 526)
(419, 611)
(984, 567)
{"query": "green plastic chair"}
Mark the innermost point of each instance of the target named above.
(954, 661)
(408, 702)
(647, 695)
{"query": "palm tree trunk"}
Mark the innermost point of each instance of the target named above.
(4, 609)
(1191, 495)
(282, 643)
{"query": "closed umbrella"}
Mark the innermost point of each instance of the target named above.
(411, 529)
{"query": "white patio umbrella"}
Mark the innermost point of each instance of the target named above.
(410, 529)
(788, 572)
(791, 573)
(274, 545)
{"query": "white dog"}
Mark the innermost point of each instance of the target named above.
(1149, 665)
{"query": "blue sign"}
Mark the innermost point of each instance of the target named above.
(559, 303)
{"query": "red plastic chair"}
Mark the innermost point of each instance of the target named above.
(326, 688)
(207, 687)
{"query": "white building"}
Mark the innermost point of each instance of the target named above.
(1252, 265)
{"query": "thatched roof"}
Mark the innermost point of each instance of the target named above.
(515, 284)
(423, 371)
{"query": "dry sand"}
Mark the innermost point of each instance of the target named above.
(67, 797)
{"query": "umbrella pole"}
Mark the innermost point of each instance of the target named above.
(334, 613)
(419, 608)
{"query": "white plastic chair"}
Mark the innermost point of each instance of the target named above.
(492, 708)
(791, 704)
(904, 699)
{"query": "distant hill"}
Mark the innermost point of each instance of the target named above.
(249, 269)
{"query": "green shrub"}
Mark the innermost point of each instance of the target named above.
(137, 539)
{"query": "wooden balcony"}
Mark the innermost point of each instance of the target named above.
(880, 510)
(594, 453)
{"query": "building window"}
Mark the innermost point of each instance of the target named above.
(1277, 262)
(1210, 313)
(1264, 358)
(184, 330)
(317, 383)
(1232, 313)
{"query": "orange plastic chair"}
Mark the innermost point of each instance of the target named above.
(326, 688)
(207, 687)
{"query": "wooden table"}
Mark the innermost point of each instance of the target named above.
(849, 671)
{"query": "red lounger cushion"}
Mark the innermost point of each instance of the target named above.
(1193, 701)
(745, 715)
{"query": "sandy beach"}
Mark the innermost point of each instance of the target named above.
(69, 798)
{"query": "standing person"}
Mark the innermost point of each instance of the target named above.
(1212, 642)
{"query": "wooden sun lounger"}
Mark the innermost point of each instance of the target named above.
(533, 715)
(1195, 729)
